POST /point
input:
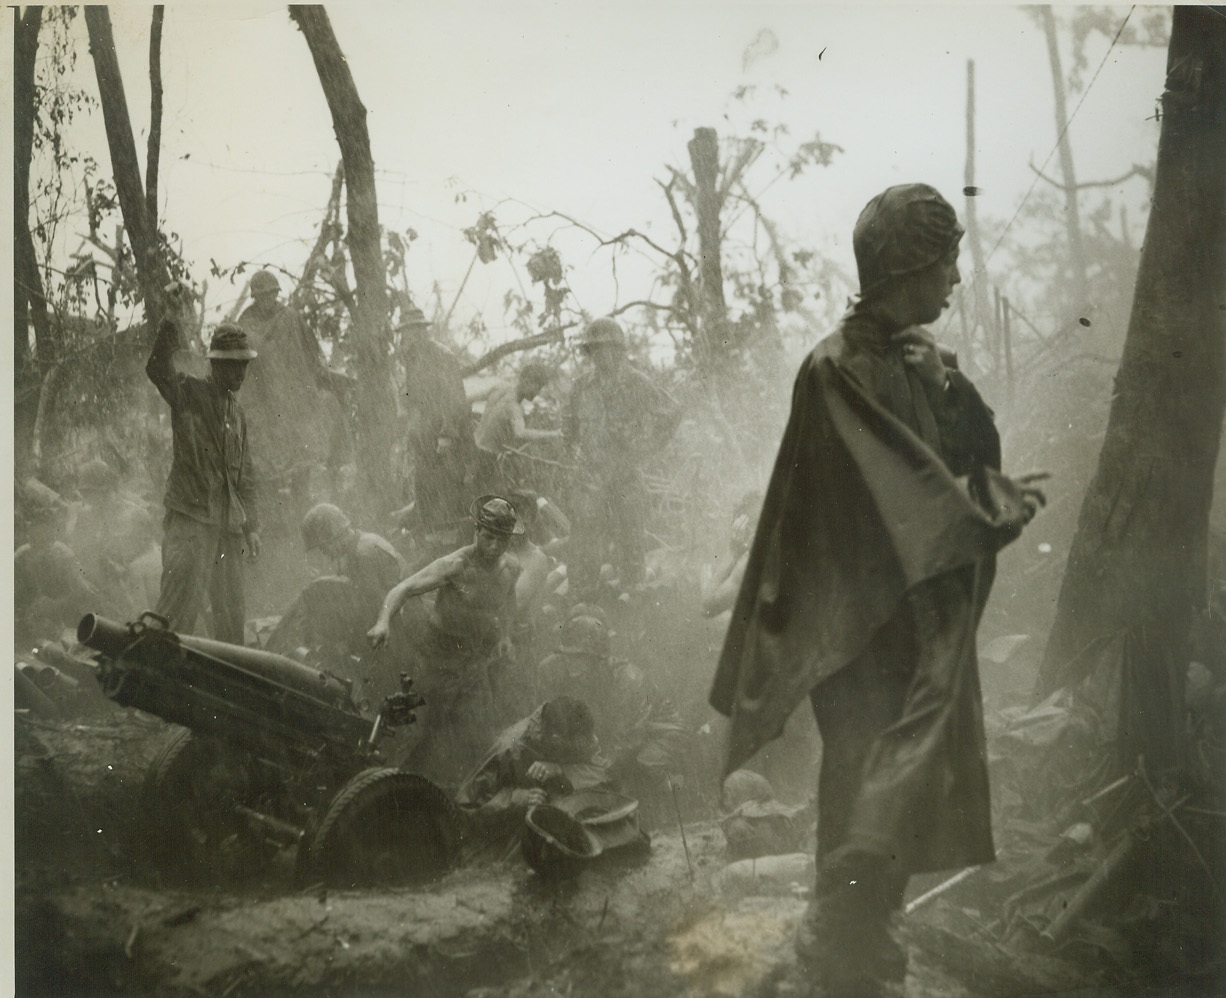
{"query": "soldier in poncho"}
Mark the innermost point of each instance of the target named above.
(869, 571)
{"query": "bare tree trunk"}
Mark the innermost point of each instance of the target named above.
(1136, 570)
(29, 298)
(704, 159)
(979, 281)
(1072, 214)
(151, 273)
(154, 148)
(376, 401)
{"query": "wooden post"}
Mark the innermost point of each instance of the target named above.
(704, 158)
(1072, 217)
(997, 324)
(1007, 341)
(979, 275)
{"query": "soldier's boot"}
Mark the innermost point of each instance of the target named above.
(846, 945)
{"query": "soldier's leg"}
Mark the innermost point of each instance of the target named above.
(629, 506)
(186, 557)
(846, 934)
(226, 587)
(588, 541)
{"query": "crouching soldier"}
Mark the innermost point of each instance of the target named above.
(330, 616)
(639, 729)
(468, 630)
(547, 755)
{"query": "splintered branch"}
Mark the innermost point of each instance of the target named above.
(1136, 171)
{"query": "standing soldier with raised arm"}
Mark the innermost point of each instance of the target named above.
(211, 521)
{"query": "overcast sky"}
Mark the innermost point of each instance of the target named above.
(577, 106)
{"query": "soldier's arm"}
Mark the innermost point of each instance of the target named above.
(433, 576)
(160, 368)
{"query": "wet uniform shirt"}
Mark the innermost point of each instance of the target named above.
(613, 420)
(211, 478)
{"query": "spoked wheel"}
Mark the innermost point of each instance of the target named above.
(384, 827)
(192, 830)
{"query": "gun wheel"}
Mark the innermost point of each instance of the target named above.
(191, 830)
(384, 827)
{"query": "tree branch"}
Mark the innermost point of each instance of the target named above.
(513, 346)
(1136, 171)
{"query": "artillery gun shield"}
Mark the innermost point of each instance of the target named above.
(384, 827)
(191, 828)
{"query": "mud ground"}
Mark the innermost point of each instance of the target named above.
(91, 921)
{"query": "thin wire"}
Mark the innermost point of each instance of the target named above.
(1060, 138)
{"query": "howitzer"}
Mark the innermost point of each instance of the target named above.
(275, 754)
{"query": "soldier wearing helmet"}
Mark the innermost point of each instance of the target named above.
(330, 615)
(366, 559)
(298, 422)
(439, 431)
(615, 419)
(468, 627)
(638, 727)
(111, 531)
(865, 583)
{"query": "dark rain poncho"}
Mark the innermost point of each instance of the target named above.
(866, 530)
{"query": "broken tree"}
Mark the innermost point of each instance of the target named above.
(1136, 569)
(376, 402)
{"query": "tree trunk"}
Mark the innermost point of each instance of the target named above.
(704, 159)
(1072, 214)
(151, 273)
(376, 402)
(154, 148)
(1136, 570)
(29, 298)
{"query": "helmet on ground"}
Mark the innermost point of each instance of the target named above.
(97, 476)
(263, 281)
(744, 786)
(497, 514)
(322, 525)
(229, 342)
(585, 636)
(589, 610)
(602, 332)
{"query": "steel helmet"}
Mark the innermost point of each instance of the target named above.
(263, 281)
(603, 332)
(585, 636)
(322, 525)
(497, 514)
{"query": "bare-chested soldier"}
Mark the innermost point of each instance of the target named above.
(469, 627)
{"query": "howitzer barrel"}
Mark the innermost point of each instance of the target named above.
(278, 708)
(114, 639)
